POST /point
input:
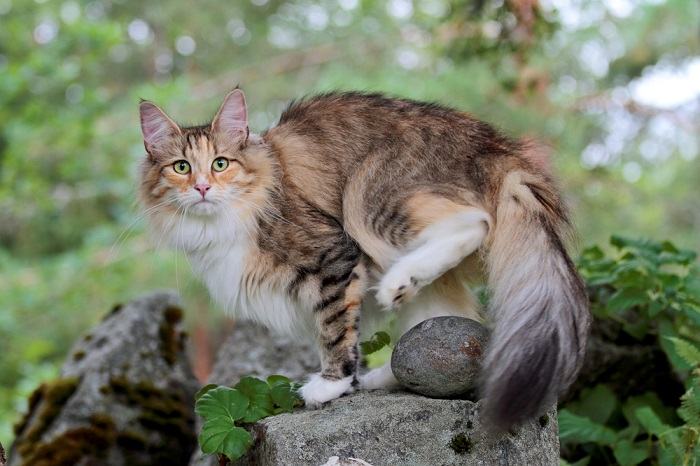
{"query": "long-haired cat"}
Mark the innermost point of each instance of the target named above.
(353, 192)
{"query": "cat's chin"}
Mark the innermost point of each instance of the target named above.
(203, 209)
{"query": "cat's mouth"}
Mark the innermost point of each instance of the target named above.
(203, 207)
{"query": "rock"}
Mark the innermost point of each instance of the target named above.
(2, 456)
(383, 428)
(124, 397)
(440, 357)
(253, 350)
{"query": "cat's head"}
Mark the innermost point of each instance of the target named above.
(216, 174)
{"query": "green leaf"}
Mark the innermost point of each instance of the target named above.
(580, 429)
(582, 462)
(690, 405)
(666, 330)
(378, 341)
(596, 403)
(628, 453)
(222, 402)
(627, 298)
(686, 350)
(650, 421)
(283, 394)
(204, 390)
(651, 400)
(221, 436)
(259, 401)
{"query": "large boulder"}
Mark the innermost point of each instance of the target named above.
(383, 428)
(124, 396)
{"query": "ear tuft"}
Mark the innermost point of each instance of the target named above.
(232, 117)
(156, 126)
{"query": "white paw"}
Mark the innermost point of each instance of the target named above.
(319, 390)
(381, 377)
(397, 287)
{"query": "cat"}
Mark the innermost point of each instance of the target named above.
(353, 192)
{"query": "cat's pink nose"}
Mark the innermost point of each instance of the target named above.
(202, 188)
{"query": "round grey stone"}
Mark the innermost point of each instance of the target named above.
(440, 357)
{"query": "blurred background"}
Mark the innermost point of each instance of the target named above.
(613, 86)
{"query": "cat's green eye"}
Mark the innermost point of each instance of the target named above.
(219, 164)
(182, 167)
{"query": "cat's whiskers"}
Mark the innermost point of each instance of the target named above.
(126, 232)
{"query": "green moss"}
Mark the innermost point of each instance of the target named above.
(160, 410)
(461, 444)
(171, 343)
(44, 405)
(132, 441)
(79, 356)
(74, 445)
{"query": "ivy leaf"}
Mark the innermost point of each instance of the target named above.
(283, 394)
(221, 436)
(258, 394)
(628, 453)
(222, 402)
(580, 429)
(204, 390)
(378, 341)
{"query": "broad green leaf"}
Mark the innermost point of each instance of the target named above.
(685, 349)
(596, 403)
(650, 421)
(628, 453)
(204, 390)
(222, 402)
(259, 401)
(221, 436)
(275, 379)
(627, 298)
(580, 429)
(651, 400)
(283, 394)
(378, 341)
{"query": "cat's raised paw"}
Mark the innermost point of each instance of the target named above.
(319, 390)
(395, 288)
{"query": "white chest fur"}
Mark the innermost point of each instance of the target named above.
(226, 270)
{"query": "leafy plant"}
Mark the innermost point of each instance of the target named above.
(378, 341)
(650, 291)
(227, 411)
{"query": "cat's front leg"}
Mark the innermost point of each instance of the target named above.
(337, 316)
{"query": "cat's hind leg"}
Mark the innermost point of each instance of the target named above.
(439, 246)
(337, 316)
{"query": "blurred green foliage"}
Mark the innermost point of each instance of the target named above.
(570, 73)
(649, 291)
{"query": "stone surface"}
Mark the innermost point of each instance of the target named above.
(399, 428)
(440, 357)
(124, 396)
(253, 350)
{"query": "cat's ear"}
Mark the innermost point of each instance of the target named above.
(157, 128)
(232, 117)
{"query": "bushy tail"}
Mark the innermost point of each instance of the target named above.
(538, 302)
